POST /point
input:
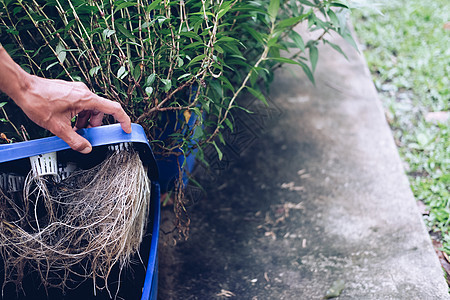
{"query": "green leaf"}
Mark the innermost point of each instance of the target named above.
(339, 3)
(124, 31)
(258, 36)
(274, 7)
(184, 76)
(223, 9)
(219, 152)
(283, 60)
(122, 72)
(333, 18)
(3, 120)
(150, 79)
(107, 33)
(229, 124)
(124, 5)
(307, 3)
(196, 59)
(12, 31)
(313, 56)
(291, 21)
(193, 45)
(226, 39)
(153, 5)
(51, 65)
(149, 90)
(137, 72)
(221, 139)
(272, 42)
(3, 104)
(180, 62)
(307, 71)
(298, 40)
(94, 71)
(167, 84)
(349, 38)
(190, 34)
(258, 95)
(337, 48)
(61, 52)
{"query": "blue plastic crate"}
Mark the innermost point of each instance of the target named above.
(14, 160)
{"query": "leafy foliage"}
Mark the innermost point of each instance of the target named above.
(190, 58)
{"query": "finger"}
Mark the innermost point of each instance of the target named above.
(96, 118)
(73, 139)
(111, 108)
(82, 119)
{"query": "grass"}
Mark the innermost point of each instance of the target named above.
(407, 48)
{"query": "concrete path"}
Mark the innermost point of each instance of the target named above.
(310, 195)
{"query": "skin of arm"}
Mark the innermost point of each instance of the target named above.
(52, 103)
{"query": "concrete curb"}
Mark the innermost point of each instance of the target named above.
(319, 197)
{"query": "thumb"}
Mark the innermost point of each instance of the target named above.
(75, 141)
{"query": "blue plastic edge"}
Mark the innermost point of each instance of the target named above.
(97, 136)
(150, 289)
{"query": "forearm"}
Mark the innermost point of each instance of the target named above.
(14, 81)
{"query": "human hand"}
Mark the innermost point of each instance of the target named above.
(52, 104)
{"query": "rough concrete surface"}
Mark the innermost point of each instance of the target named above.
(311, 192)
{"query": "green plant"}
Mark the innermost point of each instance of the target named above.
(185, 57)
(189, 56)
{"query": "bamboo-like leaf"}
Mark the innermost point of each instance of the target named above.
(333, 18)
(149, 91)
(184, 76)
(153, 5)
(107, 33)
(283, 60)
(124, 5)
(94, 71)
(224, 9)
(307, 71)
(167, 85)
(313, 56)
(124, 31)
(61, 52)
(298, 40)
(219, 152)
(150, 79)
(122, 72)
(339, 3)
(196, 59)
(229, 124)
(307, 3)
(291, 21)
(226, 39)
(3, 104)
(337, 48)
(349, 38)
(274, 7)
(191, 35)
(193, 45)
(137, 72)
(51, 65)
(258, 95)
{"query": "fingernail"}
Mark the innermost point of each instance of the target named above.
(86, 150)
